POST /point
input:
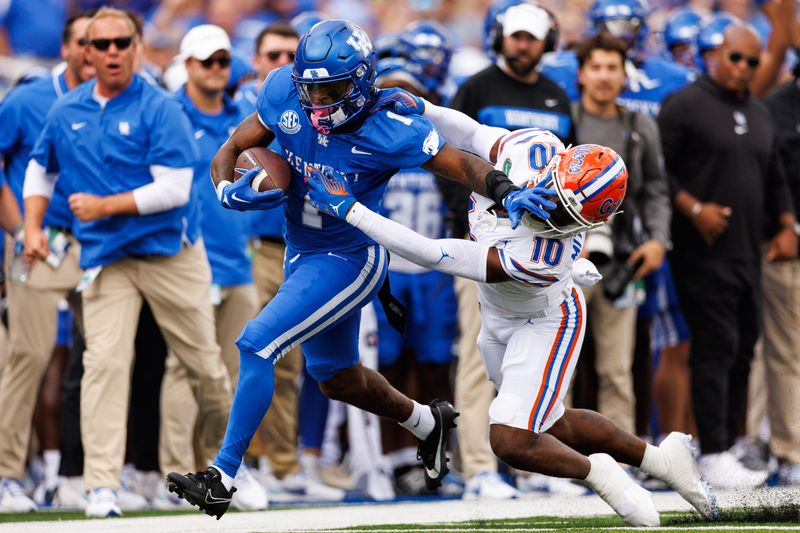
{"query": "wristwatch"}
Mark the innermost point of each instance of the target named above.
(795, 227)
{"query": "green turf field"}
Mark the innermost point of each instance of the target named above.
(786, 518)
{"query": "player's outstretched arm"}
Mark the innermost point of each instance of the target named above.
(331, 194)
(460, 130)
(250, 133)
(481, 177)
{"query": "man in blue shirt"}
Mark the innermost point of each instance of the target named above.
(213, 116)
(125, 153)
(32, 304)
(324, 111)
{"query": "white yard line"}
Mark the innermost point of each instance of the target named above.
(406, 513)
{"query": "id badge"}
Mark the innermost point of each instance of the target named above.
(59, 245)
(89, 275)
(216, 294)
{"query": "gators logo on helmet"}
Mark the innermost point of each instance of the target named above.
(590, 181)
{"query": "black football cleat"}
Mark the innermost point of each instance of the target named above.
(203, 489)
(433, 450)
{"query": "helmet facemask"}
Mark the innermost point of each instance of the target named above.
(565, 219)
(331, 102)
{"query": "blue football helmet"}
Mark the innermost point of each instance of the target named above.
(624, 19)
(305, 20)
(682, 27)
(390, 45)
(711, 35)
(334, 73)
(428, 46)
(401, 69)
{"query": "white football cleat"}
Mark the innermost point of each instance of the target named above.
(13, 498)
(302, 484)
(70, 493)
(102, 504)
(683, 475)
(723, 471)
(488, 485)
(249, 495)
(632, 503)
(550, 485)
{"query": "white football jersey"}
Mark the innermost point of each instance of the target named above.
(541, 268)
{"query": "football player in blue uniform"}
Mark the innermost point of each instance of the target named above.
(649, 78)
(680, 34)
(327, 114)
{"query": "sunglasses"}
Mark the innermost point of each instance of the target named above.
(273, 55)
(223, 62)
(122, 43)
(736, 57)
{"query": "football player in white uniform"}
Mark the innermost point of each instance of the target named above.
(532, 309)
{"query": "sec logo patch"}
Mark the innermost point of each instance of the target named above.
(290, 122)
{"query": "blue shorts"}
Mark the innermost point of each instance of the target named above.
(668, 325)
(430, 300)
(318, 308)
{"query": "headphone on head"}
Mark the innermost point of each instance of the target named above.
(550, 40)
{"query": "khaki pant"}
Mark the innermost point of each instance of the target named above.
(179, 410)
(613, 331)
(280, 424)
(177, 290)
(32, 321)
(474, 392)
(781, 338)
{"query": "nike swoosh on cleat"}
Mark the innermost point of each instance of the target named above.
(215, 501)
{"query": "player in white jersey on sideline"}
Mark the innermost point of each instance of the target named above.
(532, 311)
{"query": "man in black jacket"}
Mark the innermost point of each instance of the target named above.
(720, 152)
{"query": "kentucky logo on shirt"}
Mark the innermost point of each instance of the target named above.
(125, 128)
(741, 123)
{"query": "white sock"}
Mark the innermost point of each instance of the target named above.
(52, 461)
(654, 462)
(227, 480)
(421, 421)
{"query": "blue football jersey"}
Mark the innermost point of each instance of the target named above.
(384, 143)
(648, 82)
(412, 199)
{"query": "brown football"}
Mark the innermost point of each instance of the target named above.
(275, 174)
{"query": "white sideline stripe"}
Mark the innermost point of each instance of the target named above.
(274, 346)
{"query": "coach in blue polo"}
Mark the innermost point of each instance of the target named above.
(125, 151)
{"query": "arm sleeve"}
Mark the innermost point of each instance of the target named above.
(462, 131)
(456, 257)
(170, 189)
(657, 204)
(37, 181)
(669, 125)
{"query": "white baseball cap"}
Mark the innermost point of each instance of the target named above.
(202, 41)
(526, 17)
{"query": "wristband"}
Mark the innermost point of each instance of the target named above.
(696, 208)
(498, 186)
(220, 186)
